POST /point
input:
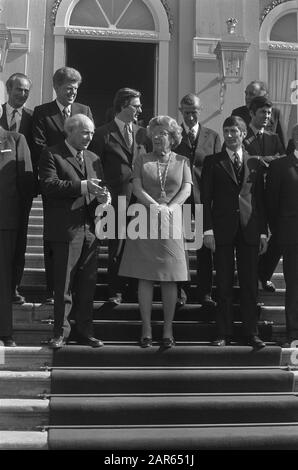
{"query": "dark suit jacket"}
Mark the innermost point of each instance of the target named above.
(66, 210)
(274, 124)
(117, 159)
(207, 143)
(47, 128)
(17, 181)
(272, 147)
(25, 124)
(226, 204)
(282, 199)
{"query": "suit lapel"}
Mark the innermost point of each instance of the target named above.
(226, 163)
(4, 117)
(57, 117)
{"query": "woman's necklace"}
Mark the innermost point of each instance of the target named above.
(162, 180)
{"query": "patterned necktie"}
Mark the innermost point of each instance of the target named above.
(80, 159)
(13, 122)
(192, 136)
(237, 165)
(128, 135)
(65, 113)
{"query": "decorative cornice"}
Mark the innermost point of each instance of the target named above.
(54, 10)
(111, 33)
(283, 46)
(169, 15)
(56, 5)
(269, 8)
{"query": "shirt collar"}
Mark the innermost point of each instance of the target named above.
(296, 153)
(9, 109)
(255, 130)
(231, 154)
(61, 107)
(121, 124)
(72, 149)
(195, 128)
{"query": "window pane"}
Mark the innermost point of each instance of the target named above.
(87, 13)
(285, 29)
(137, 16)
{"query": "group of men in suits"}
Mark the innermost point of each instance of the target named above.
(233, 212)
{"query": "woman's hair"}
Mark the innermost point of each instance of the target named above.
(170, 125)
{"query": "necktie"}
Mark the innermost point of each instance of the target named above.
(80, 159)
(237, 165)
(66, 113)
(260, 141)
(13, 122)
(192, 136)
(128, 135)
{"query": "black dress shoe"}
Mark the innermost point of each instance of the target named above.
(167, 343)
(17, 298)
(221, 342)
(90, 341)
(7, 341)
(49, 301)
(256, 342)
(268, 286)
(145, 342)
(291, 343)
(116, 299)
(181, 297)
(207, 301)
(57, 342)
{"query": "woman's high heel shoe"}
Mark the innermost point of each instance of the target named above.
(168, 343)
(145, 342)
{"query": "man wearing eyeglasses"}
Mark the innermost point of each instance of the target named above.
(118, 143)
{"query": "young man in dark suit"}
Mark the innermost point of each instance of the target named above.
(234, 222)
(16, 192)
(118, 145)
(268, 147)
(67, 171)
(282, 206)
(197, 142)
(18, 118)
(254, 89)
(48, 130)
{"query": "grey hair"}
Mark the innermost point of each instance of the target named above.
(170, 125)
(76, 121)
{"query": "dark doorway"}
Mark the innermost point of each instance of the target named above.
(107, 66)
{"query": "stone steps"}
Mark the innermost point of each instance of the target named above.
(24, 384)
(23, 440)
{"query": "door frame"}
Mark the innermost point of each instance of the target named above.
(161, 36)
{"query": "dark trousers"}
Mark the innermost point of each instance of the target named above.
(269, 260)
(75, 273)
(247, 269)
(290, 268)
(20, 249)
(48, 262)
(7, 254)
(204, 271)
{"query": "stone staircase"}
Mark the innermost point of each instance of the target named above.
(26, 371)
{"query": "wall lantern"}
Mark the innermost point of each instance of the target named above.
(230, 53)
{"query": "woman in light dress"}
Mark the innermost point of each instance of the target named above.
(161, 182)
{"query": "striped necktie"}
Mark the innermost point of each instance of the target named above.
(128, 135)
(13, 122)
(80, 159)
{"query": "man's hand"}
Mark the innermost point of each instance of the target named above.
(93, 186)
(104, 196)
(263, 245)
(209, 242)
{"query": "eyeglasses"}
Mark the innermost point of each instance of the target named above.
(136, 106)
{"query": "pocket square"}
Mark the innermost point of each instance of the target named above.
(5, 151)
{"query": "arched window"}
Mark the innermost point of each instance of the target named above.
(279, 59)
